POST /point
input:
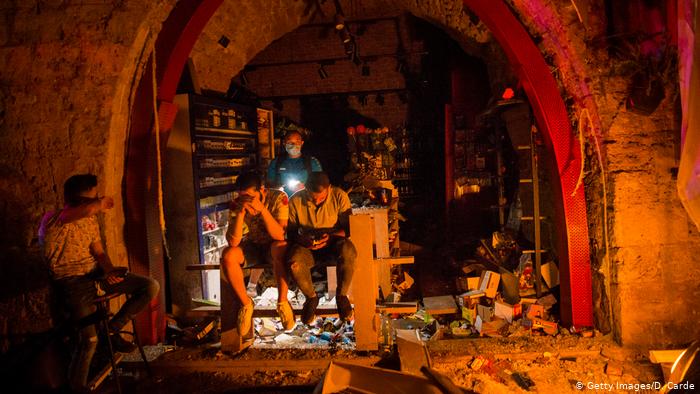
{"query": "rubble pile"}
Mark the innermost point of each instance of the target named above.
(498, 297)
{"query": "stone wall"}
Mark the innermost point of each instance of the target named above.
(68, 77)
(648, 271)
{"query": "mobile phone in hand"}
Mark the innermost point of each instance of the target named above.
(119, 272)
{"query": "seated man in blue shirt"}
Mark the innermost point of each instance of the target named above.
(291, 169)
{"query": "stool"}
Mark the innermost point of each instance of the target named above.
(102, 304)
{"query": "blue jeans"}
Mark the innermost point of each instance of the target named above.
(79, 293)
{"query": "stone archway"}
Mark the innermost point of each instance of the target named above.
(174, 43)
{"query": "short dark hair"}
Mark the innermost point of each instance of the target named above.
(75, 185)
(290, 132)
(249, 179)
(317, 182)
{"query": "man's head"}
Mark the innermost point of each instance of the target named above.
(318, 185)
(79, 189)
(250, 183)
(293, 141)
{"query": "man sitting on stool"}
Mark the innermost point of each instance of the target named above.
(73, 248)
(255, 234)
(319, 226)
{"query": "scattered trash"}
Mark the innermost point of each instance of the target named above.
(613, 369)
(522, 380)
(347, 377)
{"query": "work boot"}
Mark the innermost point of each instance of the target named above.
(308, 314)
(245, 318)
(284, 310)
(344, 308)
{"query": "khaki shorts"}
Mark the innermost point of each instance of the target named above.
(256, 254)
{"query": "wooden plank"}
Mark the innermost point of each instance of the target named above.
(664, 356)
(440, 305)
(398, 307)
(364, 284)
(397, 260)
(102, 375)
(240, 367)
(332, 280)
(413, 353)
(202, 267)
(260, 311)
(381, 233)
(382, 271)
(231, 340)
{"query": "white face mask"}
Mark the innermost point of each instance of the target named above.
(293, 150)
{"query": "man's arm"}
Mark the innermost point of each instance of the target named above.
(271, 169)
(293, 228)
(234, 233)
(273, 226)
(344, 212)
(104, 262)
(71, 214)
(315, 165)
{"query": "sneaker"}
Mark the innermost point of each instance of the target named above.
(308, 314)
(345, 311)
(120, 344)
(245, 318)
(284, 310)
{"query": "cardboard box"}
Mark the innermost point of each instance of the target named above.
(507, 311)
(491, 328)
(548, 327)
(535, 311)
(485, 312)
(550, 274)
(488, 283)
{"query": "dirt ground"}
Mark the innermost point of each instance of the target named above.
(546, 364)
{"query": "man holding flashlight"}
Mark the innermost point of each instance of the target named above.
(319, 226)
(291, 169)
(256, 227)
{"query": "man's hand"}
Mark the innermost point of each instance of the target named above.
(115, 275)
(239, 205)
(257, 205)
(320, 243)
(106, 203)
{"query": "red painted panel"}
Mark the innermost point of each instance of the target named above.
(449, 160)
(173, 45)
(552, 118)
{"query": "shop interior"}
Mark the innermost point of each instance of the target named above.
(522, 176)
(439, 136)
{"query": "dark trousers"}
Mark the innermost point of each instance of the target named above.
(301, 260)
(79, 293)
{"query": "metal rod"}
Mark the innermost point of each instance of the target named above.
(536, 213)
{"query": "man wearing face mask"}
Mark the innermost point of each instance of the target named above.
(291, 169)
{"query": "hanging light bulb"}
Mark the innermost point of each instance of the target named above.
(345, 36)
(339, 22)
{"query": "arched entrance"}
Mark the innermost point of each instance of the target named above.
(176, 40)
